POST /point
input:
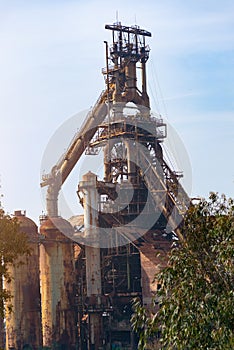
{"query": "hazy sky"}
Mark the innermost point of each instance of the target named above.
(51, 57)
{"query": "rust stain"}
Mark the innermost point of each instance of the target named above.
(57, 285)
(23, 325)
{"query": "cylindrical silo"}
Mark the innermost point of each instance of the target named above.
(59, 316)
(23, 324)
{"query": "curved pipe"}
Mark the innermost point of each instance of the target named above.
(62, 170)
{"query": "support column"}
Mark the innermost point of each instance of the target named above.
(131, 161)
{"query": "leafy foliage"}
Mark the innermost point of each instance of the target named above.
(13, 245)
(197, 287)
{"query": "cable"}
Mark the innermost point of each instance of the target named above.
(158, 88)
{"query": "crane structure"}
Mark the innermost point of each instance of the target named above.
(133, 212)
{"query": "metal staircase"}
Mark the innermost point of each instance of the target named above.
(163, 183)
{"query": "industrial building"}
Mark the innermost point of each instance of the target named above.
(76, 289)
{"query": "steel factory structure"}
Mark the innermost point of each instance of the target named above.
(75, 291)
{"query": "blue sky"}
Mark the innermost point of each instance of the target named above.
(50, 67)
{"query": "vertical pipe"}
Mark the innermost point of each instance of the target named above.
(130, 73)
(92, 254)
(131, 161)
(107, 160)
(52, 201)
(128, 273)
(143, 76)
(145, 96)
(107, 148)
(107, 165)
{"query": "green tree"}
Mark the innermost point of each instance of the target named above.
(197, 288)
(13, 245)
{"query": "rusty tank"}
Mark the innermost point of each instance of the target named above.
(59, 316)
(23, 324)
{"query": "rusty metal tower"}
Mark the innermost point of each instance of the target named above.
(140, 202)
(131, 136)
(134, 210)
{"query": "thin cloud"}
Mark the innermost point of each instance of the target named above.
(182, 96)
